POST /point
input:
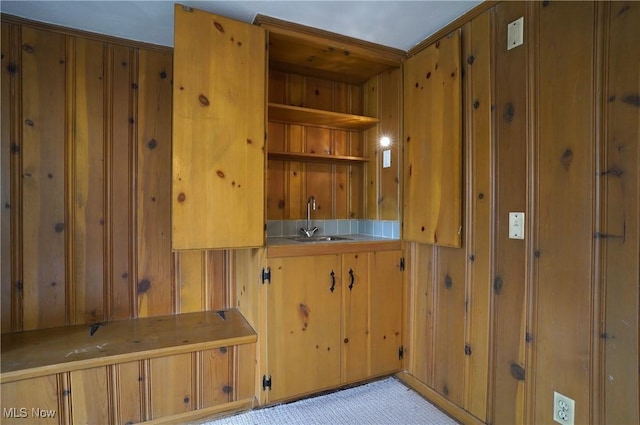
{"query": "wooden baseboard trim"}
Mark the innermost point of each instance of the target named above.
(207, 414)
(441, 402)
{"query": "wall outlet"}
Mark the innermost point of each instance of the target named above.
(564, 409)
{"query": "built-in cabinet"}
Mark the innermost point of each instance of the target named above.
(331, 320)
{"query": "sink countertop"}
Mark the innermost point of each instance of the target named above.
(282, 246)
(284, 240)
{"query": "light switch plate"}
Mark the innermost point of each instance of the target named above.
(516, 225)
(386, 158)
(515, 33)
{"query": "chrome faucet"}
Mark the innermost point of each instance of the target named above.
(311, 204)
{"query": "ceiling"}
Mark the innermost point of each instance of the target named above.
(399, 24)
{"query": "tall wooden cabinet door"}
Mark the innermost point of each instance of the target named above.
(219, 109)
(386, 311)
(303, 325)
(432, 210)
(356, 337)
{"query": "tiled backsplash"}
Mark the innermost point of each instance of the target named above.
(381, 228)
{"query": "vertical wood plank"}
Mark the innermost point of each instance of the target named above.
(191, 280)
(43, 178)
(510, 277)
(154, 281)
(216, 381)
(370, 140)
(128, 390)
(449, 326)
(477, 59)
(422, 308)
(277, 195)
(8, 160)
(620, 177)
(565, 201)
(390, 114)
(171, 385)
(121, 184)
(88, 170)
(295, 177)
(218, 280)
(90, 396)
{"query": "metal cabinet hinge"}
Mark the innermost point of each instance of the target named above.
(266, 275)
(266, 382)
(402, 264)
(400, 353)
(467, 349)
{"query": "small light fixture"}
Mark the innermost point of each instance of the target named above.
(385, 141)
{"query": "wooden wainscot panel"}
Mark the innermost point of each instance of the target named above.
(90, 396)
(433, 144)
(32, 400)
(219, 131)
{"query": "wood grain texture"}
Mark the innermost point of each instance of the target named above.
(619, 177)
(385, 309)
(215, 377)
(433, 144)
(154, 287)
(45, 228)
(509, 281)
(88, 184)
(8, 162)
(36, 393)
(323, 54)
(565, 202)
(172, 389)
(120, 178)
(218, 132)
(303, 318)
(88, 389)
(100, 152)
(356, 317)
(477, 96)
(128, 390)
(73, 347)
(390, 114)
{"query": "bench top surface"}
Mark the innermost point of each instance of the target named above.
(46, 351)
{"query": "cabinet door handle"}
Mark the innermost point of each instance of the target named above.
(333, 281)
(353, 279)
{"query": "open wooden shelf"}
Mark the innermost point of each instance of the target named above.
(319, 118)
(312, 157)
(47, 351)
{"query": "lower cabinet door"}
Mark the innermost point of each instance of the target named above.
(303, 325)
(386, 311)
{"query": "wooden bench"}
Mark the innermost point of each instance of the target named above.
(160, 369)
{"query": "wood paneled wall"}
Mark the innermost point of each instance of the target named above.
(336, 187)
(449, 295)
(559, 140)
(342, 191)
(86, 185)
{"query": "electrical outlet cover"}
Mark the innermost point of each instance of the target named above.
(564, 409)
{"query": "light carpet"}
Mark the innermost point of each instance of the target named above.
(387, 401)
